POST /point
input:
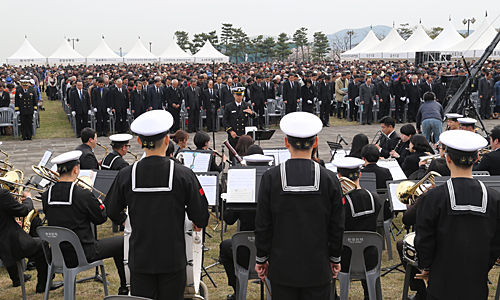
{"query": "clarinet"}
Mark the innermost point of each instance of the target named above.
(231, 149)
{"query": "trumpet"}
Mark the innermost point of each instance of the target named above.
(134, 155)
(484, 151)
(347, 185)
(105, 149)
(407, 191)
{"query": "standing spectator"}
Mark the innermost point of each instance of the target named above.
(193, 105)
(430, 115)
(485, 92)
(353, 93)
(291, 94)
(118, 102)
(80, 107)
(26, 104)
(413, 95)
(497, 100)
(100, 102)
(367, 95)
(307, 92)
(324, 98)
(341, 85)
(258, 92)
(384, 93)
(174, 99)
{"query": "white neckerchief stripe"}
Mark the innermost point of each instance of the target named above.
(311, 188)
(50, 202)
(361, 213)
(154, 189)
(110, 164)
(453, 200)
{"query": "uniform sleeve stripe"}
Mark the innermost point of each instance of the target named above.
(335, 259)
(261, 260)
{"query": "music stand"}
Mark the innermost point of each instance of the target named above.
(334, 146)
(45, 162)
(197, 160)
(263, 135)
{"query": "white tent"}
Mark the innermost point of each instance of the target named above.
(407, 49)
(449, 36)
(209, 54)
(391, 41)
(370, 41)
(139, 54)
(66, 55)
(474, 45)
(26, 54)
(103, 55)
(175, 54)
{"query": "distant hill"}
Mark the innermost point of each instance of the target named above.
(360, 33)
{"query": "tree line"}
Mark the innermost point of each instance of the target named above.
(235, 43)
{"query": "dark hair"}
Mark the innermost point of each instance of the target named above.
(420, 143)
(170, 148)
(87, 133)
(429, 96)
(200, 139)
(439, 165)
(100, 80)
(370, 153)
(244, 142)
(495, 133)
(388, 121)
(461, 161)
(408, 129)
(307, 81)
(255, 149)
(358, 142)
(258, 76)
(178, 136)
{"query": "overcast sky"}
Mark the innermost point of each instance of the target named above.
(46, 22)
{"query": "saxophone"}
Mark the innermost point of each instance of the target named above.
(134, 155)
(105, 149)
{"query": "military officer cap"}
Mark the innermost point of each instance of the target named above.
(464, 144)
(348, 166)
(467, 121)
(301, 128)
(152, 126)
(118, 140)
(453, 116)
(25, 80)
(238, 90)
(258, 158)
(66, 161)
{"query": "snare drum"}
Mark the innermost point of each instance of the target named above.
(194, 252)
(409, 252)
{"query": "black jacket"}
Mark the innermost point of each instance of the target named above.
(98, 101)
(324, 92)
(139, 102)
(388, 144)
(155, 99)
(88, 161)
(258, 93)
(384, 91)
(490, 162)
(192, 98)
(205, 97)
(174, 96)
(226, 95)
(80, 106)
(118, 100)
(291, 95)
(270, 94)
(353, 91)
(4, 99)
(413, 92)
(410, 165)
(382, 175)
(26, 103)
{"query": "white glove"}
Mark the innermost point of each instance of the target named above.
(331, 102)
(402, 99)
(407, 101)
(109, 110)
(89, 112)
(95, 109)
(73, 113)
(17, 113)
(422, 100)
(128, 110)
(309, 102)
(320, 102)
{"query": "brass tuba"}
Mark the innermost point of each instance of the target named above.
(6, 166)
(347, 185)
(407, 191)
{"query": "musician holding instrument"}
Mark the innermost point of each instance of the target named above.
(120, 143)
(361, 210)
(158, 194)
(402, 147)
(16, 244)
(491, 161)
(71, 206)
(458, 227)
(88, 161)
(202, 142)
(236, 117)
(300, 258)
(389, 138)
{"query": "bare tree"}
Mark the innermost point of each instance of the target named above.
(340, 44)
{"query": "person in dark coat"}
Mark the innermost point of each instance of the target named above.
(118, 102)
(384, 93)
(472, 210)
(120, 143)
(389, 138)
(100, 102)
(80, 107)
(192, 98)
(209, 97)
(367, 96)
(401, 150)
(175, 95)
(491, 161)
(269, 86)
(138, 100)
(485, 92)
(25, 104)
(307, 93)
(259, 100)
(88, 161)
(353, 93)
(371, 155)
(155, 96)
(291, 94)
(4, 96)
(325, 97)
(418, 147)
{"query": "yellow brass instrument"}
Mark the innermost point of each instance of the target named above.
(86, 183)
(347, 185)
(105, 149)
(428, 159)
(6, 166)
(484, 151)
(134, 155)
(407, 191)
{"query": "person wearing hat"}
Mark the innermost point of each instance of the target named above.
(157, 257)
(236, 116)
(491, 161)
(452, 120)
(458, 221)
(68, 205)
(299, 189)
(361, 210)
(468, 124)
(120, 143)
(25, 105)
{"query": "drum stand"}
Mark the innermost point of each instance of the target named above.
(203, 269)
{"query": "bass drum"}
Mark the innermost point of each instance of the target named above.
(194, 253)
(409, 251)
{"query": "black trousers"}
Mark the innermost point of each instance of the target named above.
(112, 247)
(176, 114)
(194, 119)
(353, 110)
(51, 93)
(485, 108)
(412, 109)
(82, 121)
(417, 285)
(367, 111)
(26, 126)
(102, 122)
(384, 108)
(209, 120)
(226, 258)
(121, 125)
(307, 107)
(158, 286)
(41, 266)
(282, 292)
(400, 110)
(324, 113)
(259, 109)
(291, 106)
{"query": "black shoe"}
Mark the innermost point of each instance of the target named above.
(231, 297)
(27, 277)
(22, 139)
(31, 266)
(327, 125)
(78, 136)
(53, 286)
(369, 123)
(123, 291)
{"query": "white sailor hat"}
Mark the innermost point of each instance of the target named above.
(258, 158)
(67, 160)
(454, 116)
(463, 143)
(121, 137)
(238, 90)
(152, 126)
(301, 125)
(467, 121)
(348, 162)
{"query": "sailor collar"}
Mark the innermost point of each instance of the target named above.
(71, 189)
(311, 188)
(457, 207)
(361, 213)
(153, 189)
(112, 160)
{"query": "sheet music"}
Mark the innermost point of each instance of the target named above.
(280, 155)
(45, 158)
(241, 185)
(396, 204)
(393, 166)
(88, 173)
(197, 161)
(284, 155)
(209, 185)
